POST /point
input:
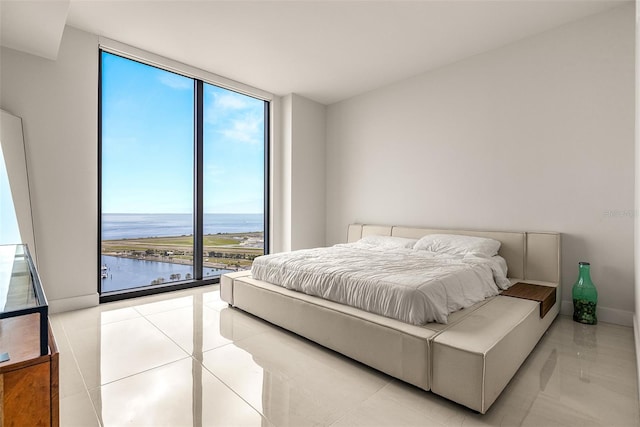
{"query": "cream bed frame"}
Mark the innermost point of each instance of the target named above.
(470, 360)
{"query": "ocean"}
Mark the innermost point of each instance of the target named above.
(132, 226)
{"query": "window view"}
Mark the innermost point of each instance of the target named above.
(148, 178)
(233, 178)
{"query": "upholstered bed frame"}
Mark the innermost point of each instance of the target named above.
(470, 360)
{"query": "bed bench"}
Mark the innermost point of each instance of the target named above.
(469, 360)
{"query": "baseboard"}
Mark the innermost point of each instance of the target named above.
(605, 314)
(636, 334)
(74, 303)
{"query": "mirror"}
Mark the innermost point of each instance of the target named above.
(16, 225)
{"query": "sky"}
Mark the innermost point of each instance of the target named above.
(147, 143)
(9, 231)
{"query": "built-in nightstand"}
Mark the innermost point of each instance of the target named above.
(545, 295)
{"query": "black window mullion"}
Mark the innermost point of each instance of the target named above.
(198, 210)
(267, 155)
(99, 265)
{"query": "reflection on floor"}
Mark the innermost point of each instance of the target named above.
(186, 359)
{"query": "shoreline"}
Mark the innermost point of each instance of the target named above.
(218, 266)
(228, 251)
(166, 260)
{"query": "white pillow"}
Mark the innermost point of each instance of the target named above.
(390, 242)
(459, 245)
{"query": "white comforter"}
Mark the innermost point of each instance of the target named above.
(413, 286)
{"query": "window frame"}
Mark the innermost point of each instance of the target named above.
(200, 78)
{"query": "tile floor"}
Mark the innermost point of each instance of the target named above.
(186, 359)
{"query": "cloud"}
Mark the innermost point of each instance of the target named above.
(175, 81)
(230, 101)
(237, 117)
(247, 129)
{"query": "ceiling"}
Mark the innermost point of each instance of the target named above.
(33, 27)
(324, 50)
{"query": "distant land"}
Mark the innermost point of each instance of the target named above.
(231, 251)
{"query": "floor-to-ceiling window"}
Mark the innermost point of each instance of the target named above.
(182, 179)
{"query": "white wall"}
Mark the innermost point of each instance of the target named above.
(58, 103)
(537, 135)
(308, 221)
(302, 158)
(281, 180)
(636, 322)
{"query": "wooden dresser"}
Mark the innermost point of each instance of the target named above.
(29, 387)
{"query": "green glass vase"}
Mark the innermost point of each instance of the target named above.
(585, 296)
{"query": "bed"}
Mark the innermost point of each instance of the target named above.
(469, 359)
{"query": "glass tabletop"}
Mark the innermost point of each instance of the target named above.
(18, 289)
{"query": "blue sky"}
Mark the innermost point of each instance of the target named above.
(147, 143)
(9, 231)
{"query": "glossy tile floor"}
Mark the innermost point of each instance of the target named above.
(185, 358)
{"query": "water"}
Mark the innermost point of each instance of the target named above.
(132, 226)
(125, 273)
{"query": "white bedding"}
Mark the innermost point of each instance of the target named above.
(413, 286)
